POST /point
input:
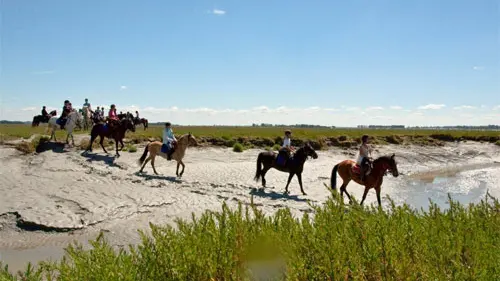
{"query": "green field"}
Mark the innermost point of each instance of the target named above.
(339, 243)
(268, 136)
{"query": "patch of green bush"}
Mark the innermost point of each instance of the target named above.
(339, 243)
(238, 147)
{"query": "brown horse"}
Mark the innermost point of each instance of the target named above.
(154, 149)
(349, 170)
(294, 165)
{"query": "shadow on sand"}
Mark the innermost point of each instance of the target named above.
(107, 159)
(275, 196)
(158, 177)
(56, 147)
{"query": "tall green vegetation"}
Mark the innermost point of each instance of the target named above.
(338, 243)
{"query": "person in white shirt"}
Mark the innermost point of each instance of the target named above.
(364, 157)
(286, 148)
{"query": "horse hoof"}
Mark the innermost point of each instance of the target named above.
(303, 193)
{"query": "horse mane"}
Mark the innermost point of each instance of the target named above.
(383, 158)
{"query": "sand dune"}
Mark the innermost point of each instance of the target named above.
(49, 199)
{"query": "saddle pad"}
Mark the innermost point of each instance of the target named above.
(356, 169)
(164, 148)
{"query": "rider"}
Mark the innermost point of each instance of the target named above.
(97, 113)
(87, 104)
(364, 157)
(65, 111)
(137, 116)
(45, 115)
(112, 113)
(169, 139)
(286, 149)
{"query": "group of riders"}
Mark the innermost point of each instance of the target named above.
(169, 140)
(96, 115)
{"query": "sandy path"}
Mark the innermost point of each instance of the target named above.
(49, 199)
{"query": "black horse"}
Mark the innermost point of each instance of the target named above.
(42, 119)
(293, 166)
(116, 130)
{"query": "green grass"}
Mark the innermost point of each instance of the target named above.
(339, 243)
(269, 136)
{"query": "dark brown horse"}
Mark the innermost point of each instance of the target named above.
(142, 121)
(348, 170)
(42, 119)
(294, 165)
(115, 131)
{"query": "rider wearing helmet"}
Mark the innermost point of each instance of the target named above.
(364, 157)
(112, 113)
(169, 140)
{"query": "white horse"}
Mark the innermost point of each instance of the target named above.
(73, 118)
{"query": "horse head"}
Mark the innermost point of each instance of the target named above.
(389, 164)
(309, 150)
(192, 140)
(129, 124)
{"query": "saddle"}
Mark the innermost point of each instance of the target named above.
(165, 148)
(356, 169)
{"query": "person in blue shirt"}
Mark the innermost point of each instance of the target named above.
(169, 139)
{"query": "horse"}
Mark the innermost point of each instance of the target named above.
(117, 132)
(154, 149)
(142, 121)
(71, 122)
(348, 170)
(37, 119)
(87, 120)
(294, 165)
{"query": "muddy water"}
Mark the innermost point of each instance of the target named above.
(53, 198)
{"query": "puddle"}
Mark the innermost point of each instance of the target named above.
(465, 184)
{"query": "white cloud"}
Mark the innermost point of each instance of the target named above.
(285, 115)
(496, 107)
(371, 108)
(218, 12)
(478, 67)
(396, 107)
(123, 88)
(464, 107)
(432, 106)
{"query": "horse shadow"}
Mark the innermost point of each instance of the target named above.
(107, 159)
(275, 196)
(158, 177)
(56, 147)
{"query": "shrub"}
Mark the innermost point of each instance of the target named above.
(131, 148)
(340, 243)
(238, 147)
(498, 143)
(276, 147)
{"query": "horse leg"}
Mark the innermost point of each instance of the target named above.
(182, 171)
(102, 144)
(288, 182)
(299, 177)
(263, 174)
(116, 145)
(144, 164)
(177, 170)
(153, 164)
(364, 194)
(377, 189)
(343, 189)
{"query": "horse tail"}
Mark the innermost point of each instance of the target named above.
(143, 157)
(259, 168)
(333, 179)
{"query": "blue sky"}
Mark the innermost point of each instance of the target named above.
(273, 58)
